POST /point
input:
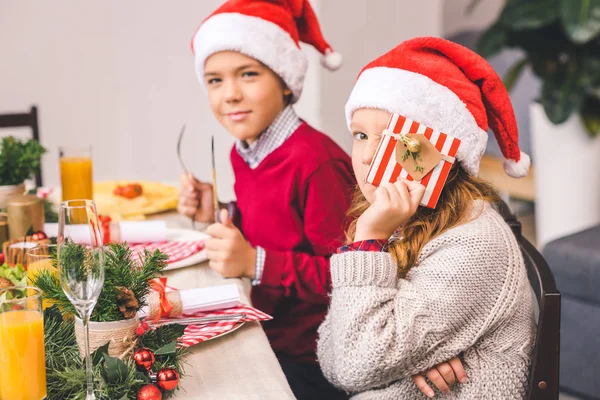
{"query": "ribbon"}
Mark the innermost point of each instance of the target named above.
(160, 285)
(401, 137)
(105, 228)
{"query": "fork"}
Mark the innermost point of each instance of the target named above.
(200, 320)
(179, 140)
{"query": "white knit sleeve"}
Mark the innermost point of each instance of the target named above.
(380, 328)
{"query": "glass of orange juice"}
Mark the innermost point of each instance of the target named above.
(22, 356)
(40, 258)
(76, 173)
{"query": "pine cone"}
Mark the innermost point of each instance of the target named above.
(127, 303)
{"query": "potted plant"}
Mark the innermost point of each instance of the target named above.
(560, 41)
(19, 160)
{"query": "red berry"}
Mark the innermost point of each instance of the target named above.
(39, 236)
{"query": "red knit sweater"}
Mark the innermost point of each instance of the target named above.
(294, 205)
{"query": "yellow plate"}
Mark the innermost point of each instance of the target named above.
(156, 197)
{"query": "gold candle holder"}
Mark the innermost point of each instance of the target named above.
(3, 228)
(25, 213)
(15, 250)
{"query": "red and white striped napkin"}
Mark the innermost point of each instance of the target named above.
(175, 250)
(195, 334)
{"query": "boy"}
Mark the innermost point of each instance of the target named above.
(293, 183)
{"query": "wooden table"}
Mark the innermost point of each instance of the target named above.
(240, 365)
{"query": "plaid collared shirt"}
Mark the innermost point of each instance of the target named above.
(372, 244)
(280, 129)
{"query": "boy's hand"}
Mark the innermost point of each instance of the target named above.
(196, 199)
(228, 251)
(393, 205)
(443, 376)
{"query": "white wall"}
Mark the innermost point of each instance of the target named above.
(119, 76)
(362, 31)
(456, 18)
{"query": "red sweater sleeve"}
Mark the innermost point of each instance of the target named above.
(327, 197)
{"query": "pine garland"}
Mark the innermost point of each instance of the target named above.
(122, 269)
(113, 378)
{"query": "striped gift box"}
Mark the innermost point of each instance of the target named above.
(384, 167)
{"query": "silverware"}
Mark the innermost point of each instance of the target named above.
(214, 179)
(179, 140)
(199, 320)
(231, 208)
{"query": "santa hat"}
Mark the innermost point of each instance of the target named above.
(269, 31)
(447, 87)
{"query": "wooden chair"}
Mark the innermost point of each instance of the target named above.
(544, 374)
(29, 119)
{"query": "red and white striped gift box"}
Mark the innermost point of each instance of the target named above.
(174, 249)
(385, 168)
(195, 334)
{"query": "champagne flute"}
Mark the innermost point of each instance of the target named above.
(80, 254)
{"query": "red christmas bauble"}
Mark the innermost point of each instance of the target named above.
(144, 359)
(149, 392)
(168, 378)
(39, 236)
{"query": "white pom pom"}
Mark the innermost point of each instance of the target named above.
(331, 60)
(517, 169)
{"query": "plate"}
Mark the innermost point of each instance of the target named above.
(157, 197)
(182, 235)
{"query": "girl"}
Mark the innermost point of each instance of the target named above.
(417, 286)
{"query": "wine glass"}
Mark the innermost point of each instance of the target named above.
(80, 254)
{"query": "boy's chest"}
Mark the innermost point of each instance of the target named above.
(271, 208)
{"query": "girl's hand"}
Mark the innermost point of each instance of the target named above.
(443, 376)
(393, 205)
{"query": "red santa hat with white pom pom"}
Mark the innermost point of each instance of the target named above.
(269, 31)
(447, 87)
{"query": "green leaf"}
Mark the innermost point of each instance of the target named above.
(492, 41)
(590, 71)
(166, 350)
(115, 370)
(562, 94)
(581, 19)
(530, 14)
(513, 74)
(590, 115)
(98, 355)
(19, 159)
(405, 155)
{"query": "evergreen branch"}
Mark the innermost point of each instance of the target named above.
(122, 269)
(65, 373)
(48, 282)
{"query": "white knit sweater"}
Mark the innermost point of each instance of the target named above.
(468, 292)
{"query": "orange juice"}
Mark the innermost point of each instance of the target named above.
(38, 265)
(22, 361)
(76, 178)
(33, 268)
